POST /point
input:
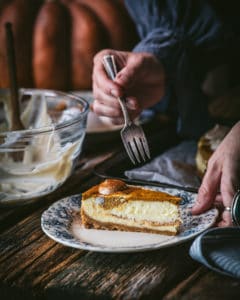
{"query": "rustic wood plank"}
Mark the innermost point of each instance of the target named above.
(28, 258)
(27, 280)
(124, 276)
(19, 236)
(15, 267)
(10, 216)
(182, 287)
(44, 266)
(209, 285)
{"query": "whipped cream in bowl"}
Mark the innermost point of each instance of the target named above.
(37, 160)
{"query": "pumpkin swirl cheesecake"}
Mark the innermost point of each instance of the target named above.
(114, 205)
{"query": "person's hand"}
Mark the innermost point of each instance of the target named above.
(140, 78)
(222, 175)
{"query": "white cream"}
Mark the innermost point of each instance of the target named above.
(144, 210)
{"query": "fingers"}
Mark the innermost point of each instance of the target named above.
(100, 79)
(229, 185)
(143, 65)
(223, 175)
(229, 181)
(140, 78)
(106, 91)
(129, 73)
(105, 98)
(112, 112)
(226, 219)
(208, 194)
(106, 105)
(209, 187)
(111, 109)
(102, 83)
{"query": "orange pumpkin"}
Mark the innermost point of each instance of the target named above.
(21, 13)
(56, 40)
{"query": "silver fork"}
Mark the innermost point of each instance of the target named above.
(133, 137)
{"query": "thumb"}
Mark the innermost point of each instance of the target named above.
(129, 73)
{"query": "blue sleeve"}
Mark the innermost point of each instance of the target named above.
(167, 26)
(190, 37)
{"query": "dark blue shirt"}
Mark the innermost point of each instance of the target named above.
(190, 37)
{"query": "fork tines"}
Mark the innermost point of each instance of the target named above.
(135, 143)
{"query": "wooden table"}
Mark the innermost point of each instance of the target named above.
(32, 266)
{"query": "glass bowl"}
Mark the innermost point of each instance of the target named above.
(37, 160)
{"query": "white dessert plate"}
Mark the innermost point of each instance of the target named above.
(62, 222)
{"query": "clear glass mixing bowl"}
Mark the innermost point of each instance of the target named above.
(37, 160)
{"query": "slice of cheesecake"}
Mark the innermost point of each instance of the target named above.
(114, 205)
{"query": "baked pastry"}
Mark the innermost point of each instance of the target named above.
(114, 205)
(207, 144)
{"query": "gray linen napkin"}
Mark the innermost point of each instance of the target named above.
(175, 166)
(219, 250)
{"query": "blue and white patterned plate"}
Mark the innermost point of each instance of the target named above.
(62, 222)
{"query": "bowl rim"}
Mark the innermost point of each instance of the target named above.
(46, 129)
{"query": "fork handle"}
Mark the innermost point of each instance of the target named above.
(111, 69)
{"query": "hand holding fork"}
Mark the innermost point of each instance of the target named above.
(132, 135)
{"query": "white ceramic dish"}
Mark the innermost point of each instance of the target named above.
(62, 222)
